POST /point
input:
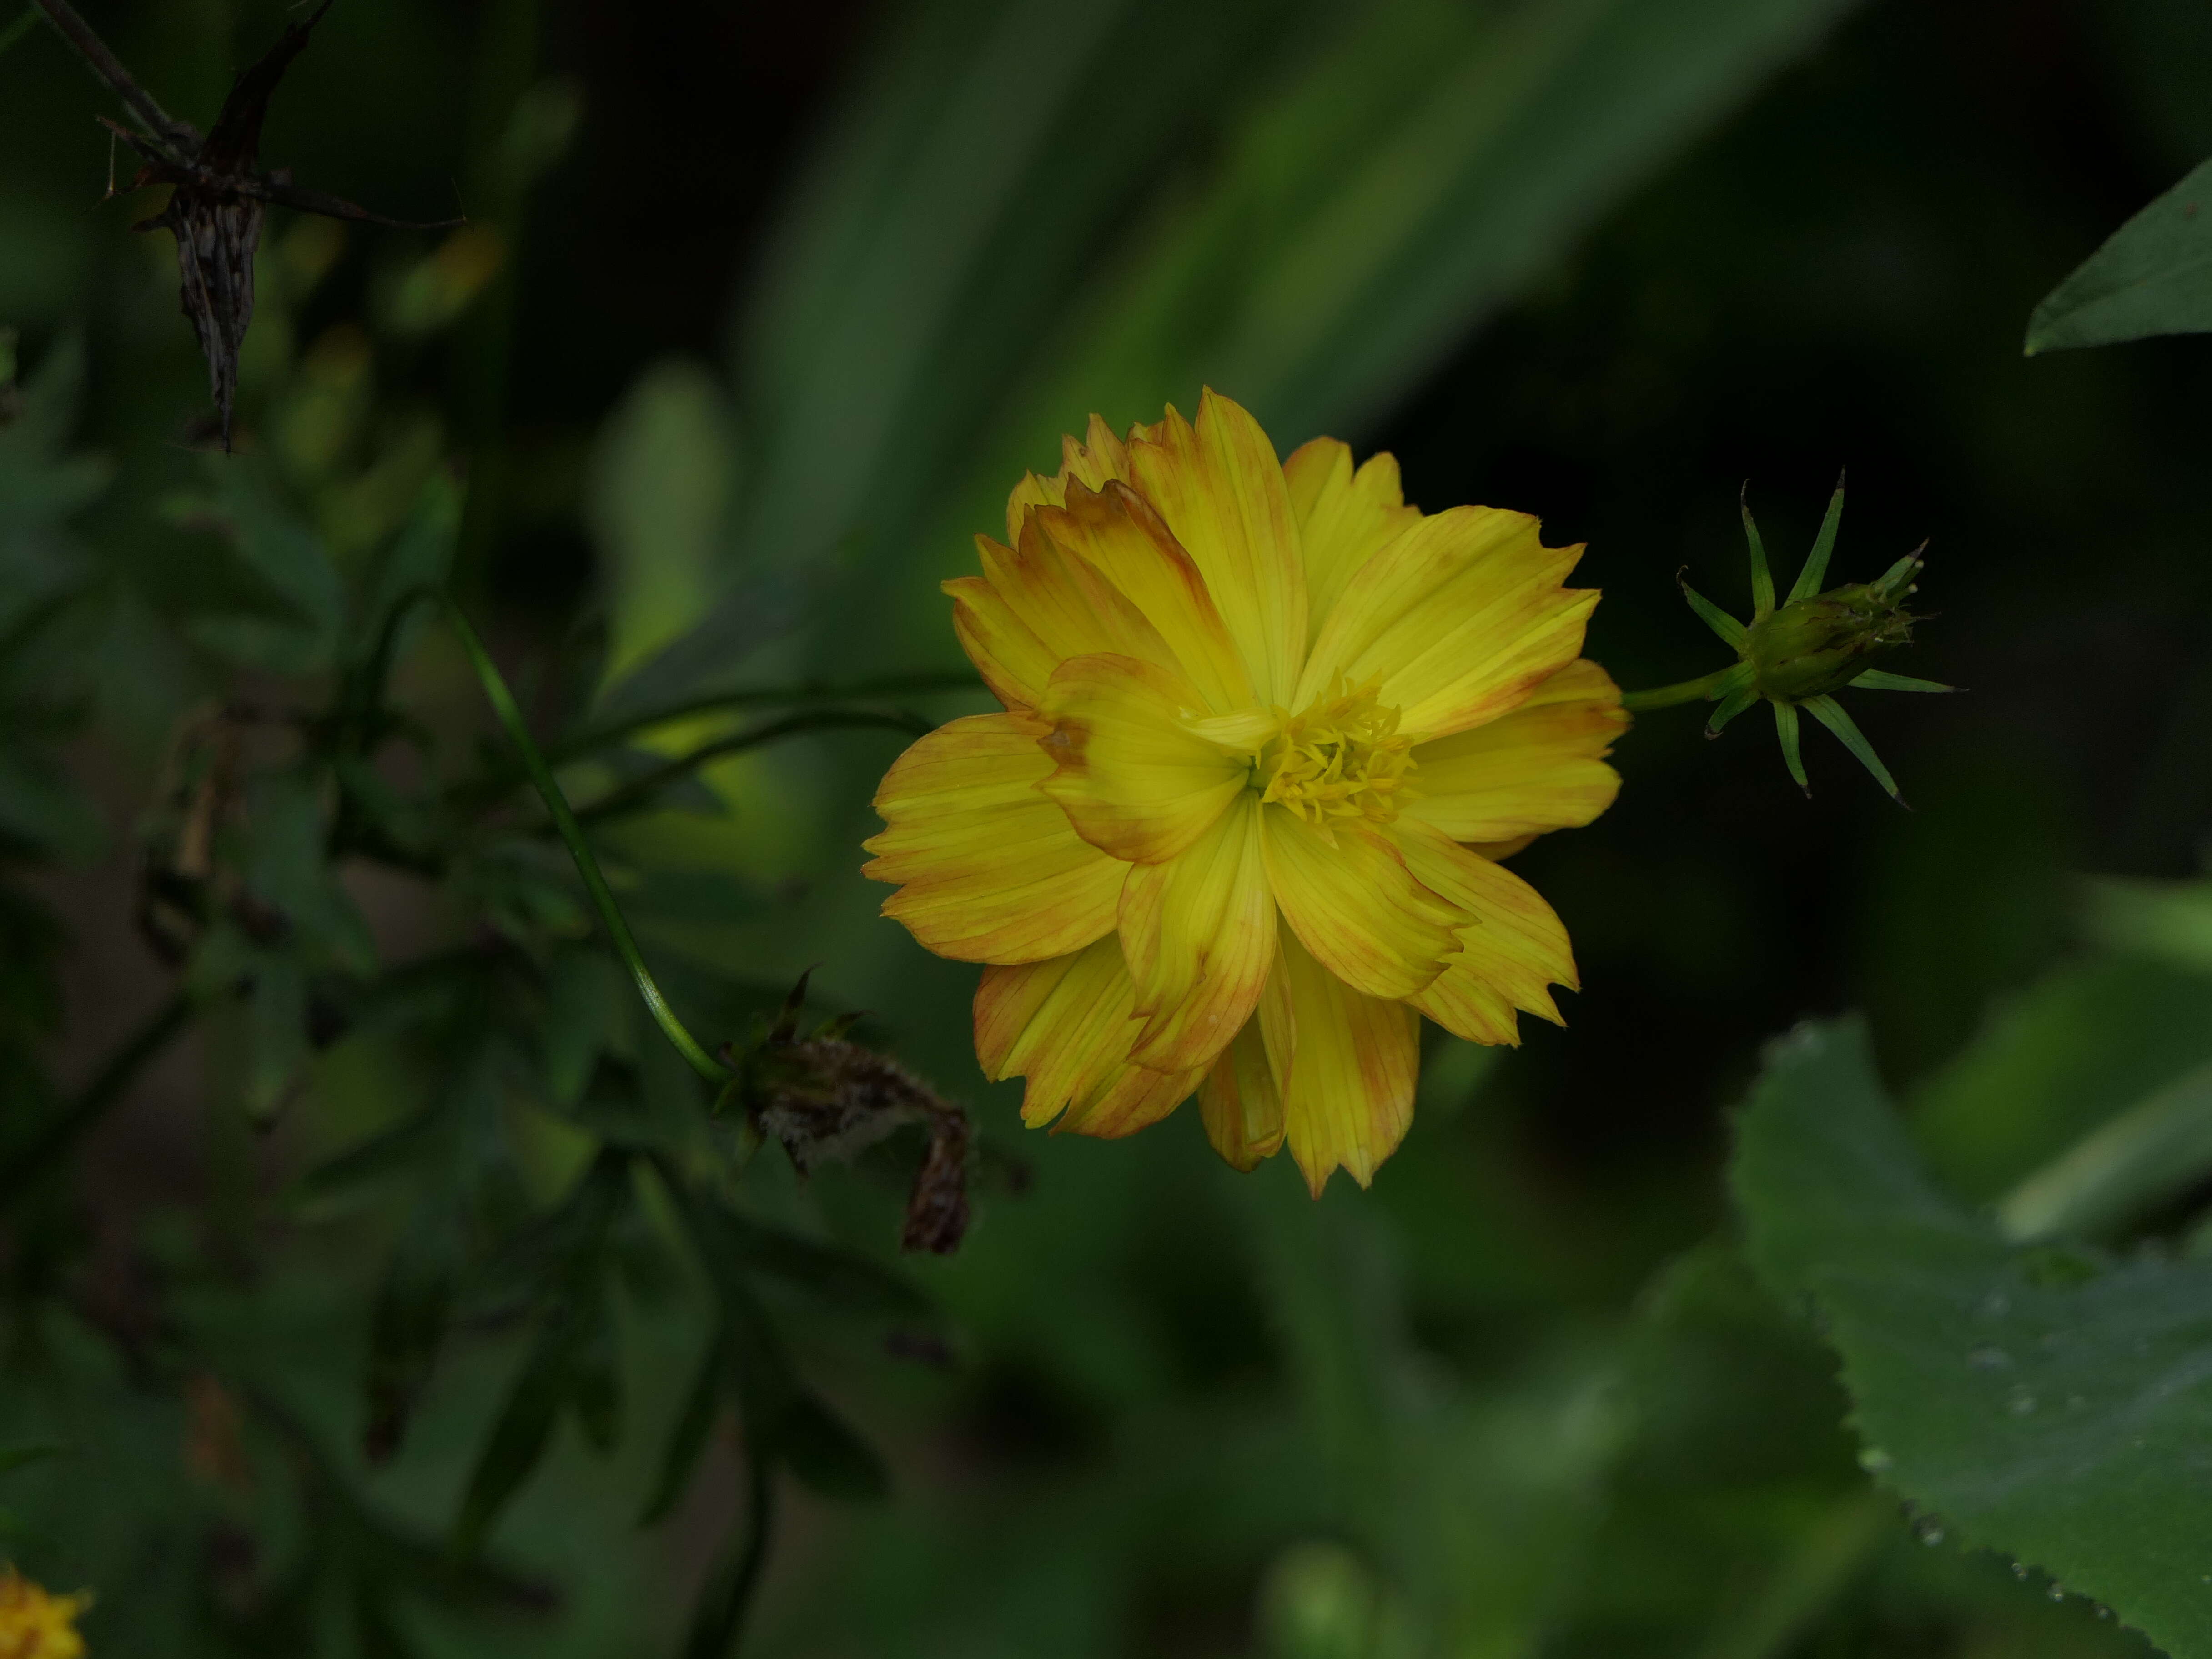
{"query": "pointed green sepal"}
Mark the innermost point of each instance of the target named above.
(1762, 578)
(1731, 631)
(1881, 679)
(1816, 563)
(1734, 703)
(1785, 727)
(1830, 713)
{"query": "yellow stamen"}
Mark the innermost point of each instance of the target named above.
(1341, 757)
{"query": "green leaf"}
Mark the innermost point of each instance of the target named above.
(2154, 1153)
(687, 1435)
(2049, 1405)
(835, 1274)
(2081, 1045)
(520, 1435)
(305, 619)
(824, 1452)
(2171, 920)
(416, 559)
(2153, 277)
(407, 1324)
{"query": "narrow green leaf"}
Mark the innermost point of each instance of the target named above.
(1830, 713)
(1824, 546)
(825, 1453)
(2044, 1404)
(687, 1435)
(1881, 679)
(521, 1434)
(1762, 578)
(837, 1275)
(2153, 277)
(1731, 631)
(2171, 920)
(2054, 1061)
(2150, 1154)
(407, 1325)
(1785, 727)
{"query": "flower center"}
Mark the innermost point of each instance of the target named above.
(1341, 757)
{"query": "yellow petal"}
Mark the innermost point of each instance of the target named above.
(1199, 934)
(1541, 767)
(989, 868)
(1006, 652)
(1458, 619)
(1241, 1103)
(1350, 1095)
(1353, 901)
(1117, 534)
(1072, 610)
(1136, 782)
(1034, 490)
(1092, 463)
(1345, 518)
(1220, 488)
(1513, 950)
(1066, 1025)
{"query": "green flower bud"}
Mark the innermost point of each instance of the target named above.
(1799, 654)
(1812, 647)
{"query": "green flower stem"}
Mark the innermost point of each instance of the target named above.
(1667, 696)
(640, 791)
(887, 686)
(572, 834)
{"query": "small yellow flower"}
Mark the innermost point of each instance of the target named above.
(1267, 731)
(34, 1624)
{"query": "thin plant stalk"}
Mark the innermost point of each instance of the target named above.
(587, 864)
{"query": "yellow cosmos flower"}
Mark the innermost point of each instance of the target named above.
(34, 1624)
(1267, 731)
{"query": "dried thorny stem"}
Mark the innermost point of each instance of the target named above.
(221, 194)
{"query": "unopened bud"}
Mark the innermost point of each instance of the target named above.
(1812, 647)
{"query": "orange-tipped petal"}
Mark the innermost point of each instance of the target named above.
(1457, 621)
(1117, 534)
(1349, 895)
(1065, 1026)
(1006, 652)
(1350, 1095)
(988, 869)
(1345, 518)
(1541, 767)
(1199, 933)
(1512, 950)
(1241, 1101)
(1220, 488)
(1129, 773)
(1072, 610)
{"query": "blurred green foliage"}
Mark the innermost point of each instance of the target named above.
(395, 1290)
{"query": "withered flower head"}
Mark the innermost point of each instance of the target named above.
(825, 1098)
(221, 194)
